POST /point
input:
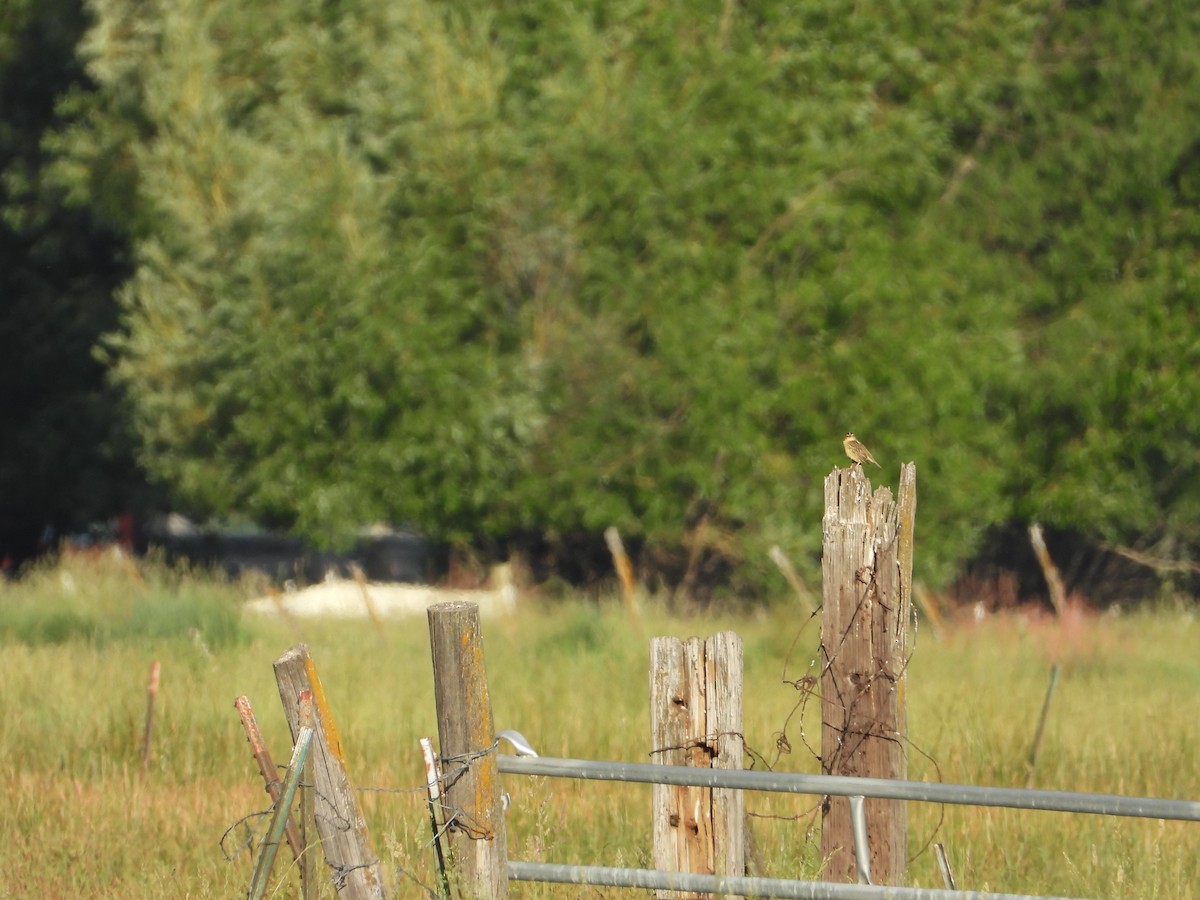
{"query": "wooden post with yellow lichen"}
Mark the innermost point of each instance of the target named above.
(467, 746)
(867, 573)
(353, 863)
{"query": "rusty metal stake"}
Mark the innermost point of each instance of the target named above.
(266, 768)
(270, 846)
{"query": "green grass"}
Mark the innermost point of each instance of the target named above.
(108, 599)
(81, 818)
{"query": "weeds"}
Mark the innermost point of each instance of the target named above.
(83, 819)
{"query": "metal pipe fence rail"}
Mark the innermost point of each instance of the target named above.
(786, 889)
(796, 783)
(842, 786)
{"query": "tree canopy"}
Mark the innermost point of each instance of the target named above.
(522, 271)
(66, 455)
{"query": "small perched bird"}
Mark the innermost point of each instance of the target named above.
(856, 451)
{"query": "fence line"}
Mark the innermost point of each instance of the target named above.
(528, 763)
(846, 786)
(854, 788)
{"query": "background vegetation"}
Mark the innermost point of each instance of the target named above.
(66, 458)
(81, 818)
(512, 273)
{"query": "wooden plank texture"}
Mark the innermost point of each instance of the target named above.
(467, 738)
(340, 824)
(696, 720)
(867, 571)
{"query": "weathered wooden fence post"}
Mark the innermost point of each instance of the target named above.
(867, 570)
(467, 739)
(1054, 581)
(340, 824)
(624, 567)
(696, 720)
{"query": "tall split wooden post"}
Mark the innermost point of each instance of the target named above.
(867, 571)
(696, 720)
(467, 739)
(340, 825)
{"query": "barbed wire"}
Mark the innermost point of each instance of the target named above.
(326, 814)
(807, 686)
(248, 842)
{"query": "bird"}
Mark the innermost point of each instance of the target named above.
(856, 451)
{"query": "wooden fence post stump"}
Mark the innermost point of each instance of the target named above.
(340, 824)
(696, 720)
(867, 572)
(467, 741)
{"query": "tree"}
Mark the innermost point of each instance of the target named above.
(520, 272)
(1091, 189)
(66, 458)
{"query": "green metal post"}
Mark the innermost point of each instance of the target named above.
(270, 846)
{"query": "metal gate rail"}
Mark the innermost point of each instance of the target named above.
(784, 888)
(843, 786)
(795, 783)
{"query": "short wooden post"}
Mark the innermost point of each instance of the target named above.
(467, 743)
(1058, 589)
(696, 720)
(340, 824)
(151, 698)
(793, 578)
(621, 562)
(867, 571)
(360, 578)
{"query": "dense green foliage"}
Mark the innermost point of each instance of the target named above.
(522, 271)
(66, 457)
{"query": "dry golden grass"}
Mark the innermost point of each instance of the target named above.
(81, 818)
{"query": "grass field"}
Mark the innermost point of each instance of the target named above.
(81, 818)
